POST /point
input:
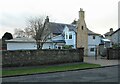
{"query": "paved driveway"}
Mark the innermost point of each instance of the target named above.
(101, 61)
(107, 74)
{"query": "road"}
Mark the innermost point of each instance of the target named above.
(107, 74)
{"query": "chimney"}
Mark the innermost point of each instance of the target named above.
(47, 19)
(111, 29)
(81, 14)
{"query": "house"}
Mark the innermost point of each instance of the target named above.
(94, 40)
(108, 34)
(76, 35)
(61, 34)
(22, 43)
(115, 36)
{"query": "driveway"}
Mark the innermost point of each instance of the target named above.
(101, 61)
(107, 74)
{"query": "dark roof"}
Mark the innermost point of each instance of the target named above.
(115, 31)
(92, 33)
(108, 33)
(57, 28)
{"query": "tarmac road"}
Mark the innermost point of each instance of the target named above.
(107, 74)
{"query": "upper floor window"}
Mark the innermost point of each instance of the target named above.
(93, 37)
(70, 36)
(82, 27)
(66, 36)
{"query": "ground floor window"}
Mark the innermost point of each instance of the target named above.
(91, 49)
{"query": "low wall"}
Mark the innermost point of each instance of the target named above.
(113, 53)
(41, 57)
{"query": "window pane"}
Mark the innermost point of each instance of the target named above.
(66, 36)
(70, 36)
(92, 49)
(93, 37)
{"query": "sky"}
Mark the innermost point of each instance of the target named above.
(100, 15)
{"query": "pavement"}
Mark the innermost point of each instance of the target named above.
(101, 61)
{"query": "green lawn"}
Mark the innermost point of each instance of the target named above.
(33, 70)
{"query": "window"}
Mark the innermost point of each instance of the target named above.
(93, 37)
(82, 27)
(66, 36)
(91, 49)
(70, 36)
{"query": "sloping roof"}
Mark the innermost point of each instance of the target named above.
(57, 28)
(115, 31)
(92, 33)
(22, 39)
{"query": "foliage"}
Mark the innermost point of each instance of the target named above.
(7, 36)
(67, 47)
(40, 30)
(116, 46)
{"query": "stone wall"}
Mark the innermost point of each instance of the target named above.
(113, 53)
(41, 57)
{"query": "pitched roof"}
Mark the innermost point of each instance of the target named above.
(115, 31)
(109, 33)
(57, 28)
(92, 33)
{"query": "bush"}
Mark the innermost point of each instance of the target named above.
(116, 46)
(67, 46)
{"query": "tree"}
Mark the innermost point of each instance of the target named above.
(39, 30)
(19, 32)
(7, 36)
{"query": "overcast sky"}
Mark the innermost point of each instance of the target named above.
(100, 15)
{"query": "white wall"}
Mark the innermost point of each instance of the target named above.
(92, 43)
(95, 41)
(47, 46)
(21, 46)
(70, 41)
(91, 53)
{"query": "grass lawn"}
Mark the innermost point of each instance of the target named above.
(34, 70)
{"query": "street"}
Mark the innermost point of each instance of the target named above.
(107, 74)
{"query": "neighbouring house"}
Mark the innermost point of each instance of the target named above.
(108, 34)
(22, 43)
(115, 36)
(94, 40)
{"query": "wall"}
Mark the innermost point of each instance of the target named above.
(116, 37)
(70, 41)
(21, 46)
(41, 57)
(113, 53)
(92, 44)
(48, 45)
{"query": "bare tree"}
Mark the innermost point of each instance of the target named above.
(39, 30)
(19, 32)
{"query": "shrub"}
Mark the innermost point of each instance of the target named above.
(67, 46)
